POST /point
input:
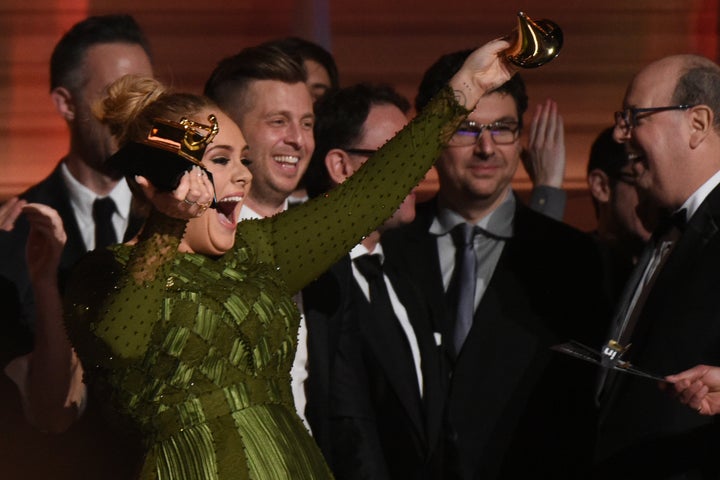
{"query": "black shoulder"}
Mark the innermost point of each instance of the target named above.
(94, 276)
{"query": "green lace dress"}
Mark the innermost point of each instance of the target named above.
(193, 353)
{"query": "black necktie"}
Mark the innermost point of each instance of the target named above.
(642, 280)
(103, 209)
(461, 291)
(371, 268)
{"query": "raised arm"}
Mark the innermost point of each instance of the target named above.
(544, 160)
(308, 239)
(49, 378)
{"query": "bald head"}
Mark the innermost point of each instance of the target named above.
(673, 107)
(679, 80)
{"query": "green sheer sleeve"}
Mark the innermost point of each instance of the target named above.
(308, 239)
(102, 290)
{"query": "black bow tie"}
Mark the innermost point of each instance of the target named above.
(679, 219)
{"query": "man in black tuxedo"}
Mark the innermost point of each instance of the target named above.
(625, 217)
(670, 316)
(91, 55)
(374, 366)
(515, 409)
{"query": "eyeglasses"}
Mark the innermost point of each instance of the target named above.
(628, 118)
(361, 151)
(502, 133)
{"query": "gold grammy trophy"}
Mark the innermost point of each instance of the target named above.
(533, 43)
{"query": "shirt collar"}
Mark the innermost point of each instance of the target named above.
(693, 203)
(498, 222)
(247, 213)
(360, 250)
(82, 198)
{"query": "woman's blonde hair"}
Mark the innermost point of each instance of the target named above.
(133, 102)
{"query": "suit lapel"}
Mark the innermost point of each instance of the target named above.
(683, 260)
(390, 346)
(411, 250)
(54, 192)
(322, 301)
(420, 318)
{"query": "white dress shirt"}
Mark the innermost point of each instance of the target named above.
(488, 248)
(81, 200)
(398, 307)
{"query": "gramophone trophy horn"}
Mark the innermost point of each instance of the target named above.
(534, 43)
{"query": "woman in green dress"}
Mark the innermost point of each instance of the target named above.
(187, 334)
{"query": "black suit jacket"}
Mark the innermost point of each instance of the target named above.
(644, 431)
(325, 301)
(52, 192)
(378, 426)
(515, 409)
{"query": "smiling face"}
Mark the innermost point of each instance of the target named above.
(213, 233)
(657, 144)
(480, 173)
(279, 130)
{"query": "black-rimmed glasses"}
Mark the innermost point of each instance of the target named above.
(502, 133)
(628, 118)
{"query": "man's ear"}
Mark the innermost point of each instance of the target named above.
(599, 185)
(338, 165)
(701, 123)
(64, 103)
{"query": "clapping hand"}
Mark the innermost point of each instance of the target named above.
(545, 156)
(9, 212)
(45, 242)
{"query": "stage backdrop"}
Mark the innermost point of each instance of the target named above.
(373, 40)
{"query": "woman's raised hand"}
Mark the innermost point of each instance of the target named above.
(484, 70)
(190, 199)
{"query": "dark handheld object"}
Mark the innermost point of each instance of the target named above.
(534, 43)
(170, 149)
(583, 352)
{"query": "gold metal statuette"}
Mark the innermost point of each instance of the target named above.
(534, 43)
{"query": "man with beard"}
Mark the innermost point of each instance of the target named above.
(91, 55)
(94, 205)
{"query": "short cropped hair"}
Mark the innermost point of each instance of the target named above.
(607, 155)
(229, 82)
(69, 54)
(699, 84)
(440, 73)
(340, 116)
